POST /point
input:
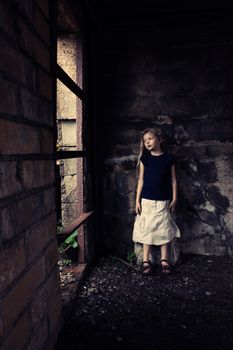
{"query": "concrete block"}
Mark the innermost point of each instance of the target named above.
(44, 6)
(44, 84)
(52, 287)
(10, 180)
(12, 262)
(6, 223)
(51, 256)
(66, 102)
(68, 55)
(68, 185)
(38, 237)
(36, 173)
(42, 26)
(34, 46)
(55, 315)
(8, 98)
(44, 111)
(69, 137)
(69, 212)
(18, 138)
(40, 337)
(15, 301)
(12, 62)
(6, 18)
(19, 335)
(69, 167)
(47, 141)
(38, 308)
(29, 105)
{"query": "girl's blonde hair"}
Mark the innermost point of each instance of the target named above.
(161, 137)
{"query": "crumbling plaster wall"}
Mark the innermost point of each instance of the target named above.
(178, 77)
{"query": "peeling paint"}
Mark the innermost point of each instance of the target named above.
(119, 160)
(193, 166)
(163, 119)
(181, 135)
(207, 206)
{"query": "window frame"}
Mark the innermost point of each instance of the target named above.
(82, 94)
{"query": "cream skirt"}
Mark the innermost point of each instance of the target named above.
(154, 226)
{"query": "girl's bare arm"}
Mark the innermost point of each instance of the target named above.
(174, 188)
(139, 188)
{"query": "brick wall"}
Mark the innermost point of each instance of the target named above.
(30, 309)
(172, 71)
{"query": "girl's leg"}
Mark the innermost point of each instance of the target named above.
(147, 269)
(164, 252)
(146, 252)
(166, 268)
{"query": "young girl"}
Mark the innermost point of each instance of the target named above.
(156, 198)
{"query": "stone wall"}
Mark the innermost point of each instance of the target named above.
(69, 121)
(174, 72)
(30, 300)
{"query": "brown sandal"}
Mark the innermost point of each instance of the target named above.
(146, 268)
(166, 269)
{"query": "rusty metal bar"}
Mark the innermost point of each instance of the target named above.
(68, 82)
(74, 225)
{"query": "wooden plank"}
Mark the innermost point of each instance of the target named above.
(74, 225)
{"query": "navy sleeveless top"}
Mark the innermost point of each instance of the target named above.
(157, 176)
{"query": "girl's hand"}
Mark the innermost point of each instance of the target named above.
(138, 208)
(172, 205)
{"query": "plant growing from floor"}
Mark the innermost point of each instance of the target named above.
(69, 242)
(131, 257)
(67, 262)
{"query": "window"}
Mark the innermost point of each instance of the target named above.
(74, 181)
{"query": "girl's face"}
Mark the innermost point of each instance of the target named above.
(151, 142)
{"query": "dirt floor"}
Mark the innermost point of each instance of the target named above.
(118, 308)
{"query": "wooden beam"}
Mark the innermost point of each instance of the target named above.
(68, 82)
(70, 154)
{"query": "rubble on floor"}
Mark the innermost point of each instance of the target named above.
(118, 308)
